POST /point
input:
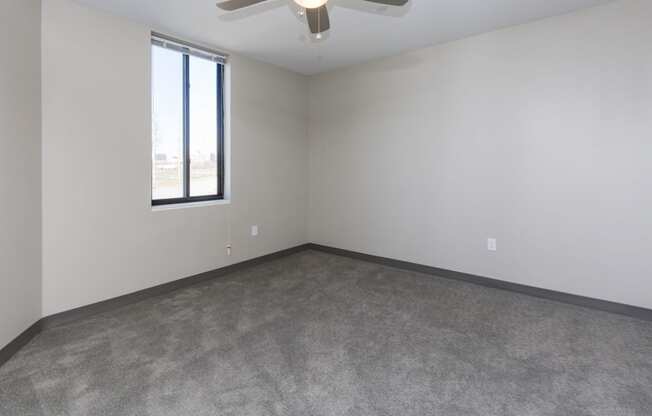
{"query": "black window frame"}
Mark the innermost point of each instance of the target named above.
(187, 198)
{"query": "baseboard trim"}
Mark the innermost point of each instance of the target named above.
(72, 315)
(583, 301)
(19, 342)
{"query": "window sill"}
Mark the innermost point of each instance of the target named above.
(190, 205)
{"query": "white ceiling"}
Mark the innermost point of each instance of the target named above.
(273, 32)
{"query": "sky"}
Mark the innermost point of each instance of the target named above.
(167, 100)
(167, 124)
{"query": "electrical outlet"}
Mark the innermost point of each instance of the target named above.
(491, 244)
(254, 230)
(228, 249)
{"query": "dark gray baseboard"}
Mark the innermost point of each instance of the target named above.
(82, 312)
(602, 305)
(107, 305)
(19, 342)
(114, 303)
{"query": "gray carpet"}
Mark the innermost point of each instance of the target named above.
(317, 334)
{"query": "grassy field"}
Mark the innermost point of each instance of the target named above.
(168, 180)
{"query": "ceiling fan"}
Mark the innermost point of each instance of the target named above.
(316, 10)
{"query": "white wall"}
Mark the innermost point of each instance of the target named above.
(20, 167)
(100, 236)
(538, 135)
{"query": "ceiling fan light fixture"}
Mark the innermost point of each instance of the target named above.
(310, 4)
(315, 11)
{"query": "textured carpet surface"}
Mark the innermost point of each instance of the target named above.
(317, 334)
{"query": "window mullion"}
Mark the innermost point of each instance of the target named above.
(186, 126)
(220, 130)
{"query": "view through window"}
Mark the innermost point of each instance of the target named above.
(187, 123)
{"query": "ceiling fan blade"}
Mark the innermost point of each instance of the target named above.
(318, 19)
(390, 2)
(231, 5)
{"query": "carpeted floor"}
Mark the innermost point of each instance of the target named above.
(317, 334)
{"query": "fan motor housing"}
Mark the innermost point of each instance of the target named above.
(310, 4)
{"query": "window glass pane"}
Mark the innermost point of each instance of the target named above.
(203, 127)
(167, 124)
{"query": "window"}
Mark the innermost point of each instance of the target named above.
(187, 123)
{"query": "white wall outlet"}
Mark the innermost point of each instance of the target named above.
(491, 244)
(254, 230)
(228, 249)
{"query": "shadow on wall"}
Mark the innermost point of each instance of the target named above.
(406, 61)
